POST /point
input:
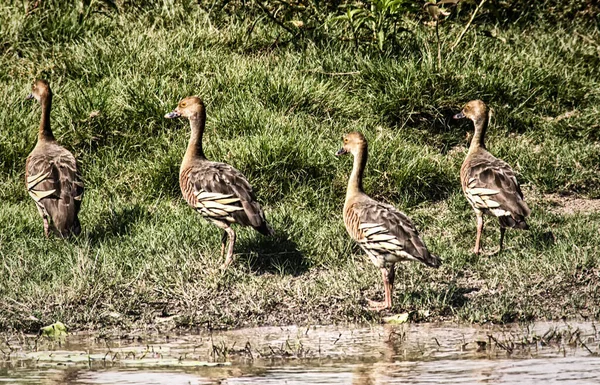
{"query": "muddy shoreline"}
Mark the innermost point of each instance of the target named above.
(310, 354)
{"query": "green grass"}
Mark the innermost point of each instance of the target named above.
(277, 114)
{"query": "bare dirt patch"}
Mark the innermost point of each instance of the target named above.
(572, 204)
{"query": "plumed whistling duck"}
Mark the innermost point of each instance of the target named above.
(387, 235)
(489, 183)
(51, 174)
(217, 191)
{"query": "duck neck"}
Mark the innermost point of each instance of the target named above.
(45, 133)
(355, 185)
(194, 148)
(478, 140)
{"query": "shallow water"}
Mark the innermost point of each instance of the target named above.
(540, 353)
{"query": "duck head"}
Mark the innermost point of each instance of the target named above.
(474, 110)
(190, 108)
(40, 89)
(353, 143)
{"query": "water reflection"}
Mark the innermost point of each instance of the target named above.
(357, 355)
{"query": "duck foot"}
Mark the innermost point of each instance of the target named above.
(496, 251)
(376, 305)
(226, 264)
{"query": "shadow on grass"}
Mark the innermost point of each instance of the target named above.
(116, 223)
(456, 296)
(444, 132)
(452, 298)
(276, 255)
(521, 12)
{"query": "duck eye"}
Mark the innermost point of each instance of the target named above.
(345, 140)
(183, 104)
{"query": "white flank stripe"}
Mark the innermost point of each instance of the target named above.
(368, 225)
(501, 213)
(211, 204)
(389, 246)
(39, 195)
(227, 200)
(477, 201)
(218, 212)
(203, 195)
(374, 230)
(482, 191)
(33, 181)
(492, 204)
(381, 237)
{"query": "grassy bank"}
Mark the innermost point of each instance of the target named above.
(277, 112)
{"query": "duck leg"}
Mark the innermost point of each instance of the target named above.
(386, 274)
(46, 226)
(229, 258)
(502, 231)
(223, 243)
(391, 274)
(479, 231)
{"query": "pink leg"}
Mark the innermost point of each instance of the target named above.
(479, 231)
(229, 258)
(223, 243)
(388, 282)
(46, 227)
(391, 273)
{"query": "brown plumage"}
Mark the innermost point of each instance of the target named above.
(387, 235)
(219, 192)
(489, 183)
(52, 178)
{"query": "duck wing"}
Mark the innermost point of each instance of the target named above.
(54, 183)
(222, 193)
(386, 233)
(491, 185)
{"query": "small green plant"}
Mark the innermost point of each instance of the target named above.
(56, 330)
(377, 22)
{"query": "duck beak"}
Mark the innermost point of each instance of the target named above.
(460, 115)
(172, 114)
(29, 97)
(340, 152)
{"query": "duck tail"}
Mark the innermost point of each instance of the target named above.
(265, 229)
(522, 225)
(432, 260)
(515, 223)
(76, 229)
